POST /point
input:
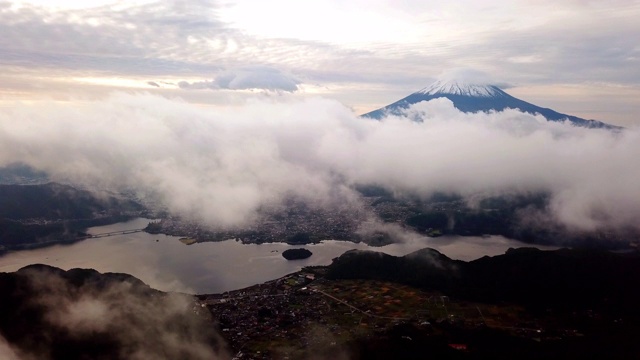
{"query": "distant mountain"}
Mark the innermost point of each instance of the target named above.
(21, 174)
(472, 97)
(40, 215)
(53, 201)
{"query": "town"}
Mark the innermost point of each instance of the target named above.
(297, 222)
(305, 313)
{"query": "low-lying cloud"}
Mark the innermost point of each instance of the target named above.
(7, 352)
(221, 165)
(103, 316)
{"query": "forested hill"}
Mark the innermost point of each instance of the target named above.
(38, 215)
(561, 279)
(56, 201)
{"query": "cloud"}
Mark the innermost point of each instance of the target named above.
(153, 39)
(123, 40)
(255, 77)
(258, 78)
(220, 166)
(110, 315)
(7, 352)
(466, 75)
(471, 76)
(169, 40)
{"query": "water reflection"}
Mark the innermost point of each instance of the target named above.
(166, 264)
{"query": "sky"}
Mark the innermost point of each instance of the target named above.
(578, 57)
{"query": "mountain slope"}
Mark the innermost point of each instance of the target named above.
(470, 97)
(54, 201)
(564, 278)
(37, 215)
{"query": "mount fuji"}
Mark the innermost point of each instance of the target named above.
(476, 97)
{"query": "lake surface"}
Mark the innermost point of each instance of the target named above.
(166, 264)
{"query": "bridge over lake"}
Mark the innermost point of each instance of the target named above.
(112, 233)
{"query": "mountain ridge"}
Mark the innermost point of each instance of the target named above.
(527, 276)
(473, 97)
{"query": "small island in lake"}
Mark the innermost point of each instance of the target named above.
(296, 254)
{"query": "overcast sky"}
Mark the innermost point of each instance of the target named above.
(579, 57)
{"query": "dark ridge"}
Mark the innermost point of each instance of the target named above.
(55, 201)
(33, 216)
(86, 277)
(561, 279)
(36, 302)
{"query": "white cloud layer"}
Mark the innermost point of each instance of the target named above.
(220, 166)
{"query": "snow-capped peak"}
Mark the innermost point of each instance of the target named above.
(458, 87)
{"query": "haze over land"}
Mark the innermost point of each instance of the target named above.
(221, 166)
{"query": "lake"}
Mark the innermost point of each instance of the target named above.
(166, 264)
